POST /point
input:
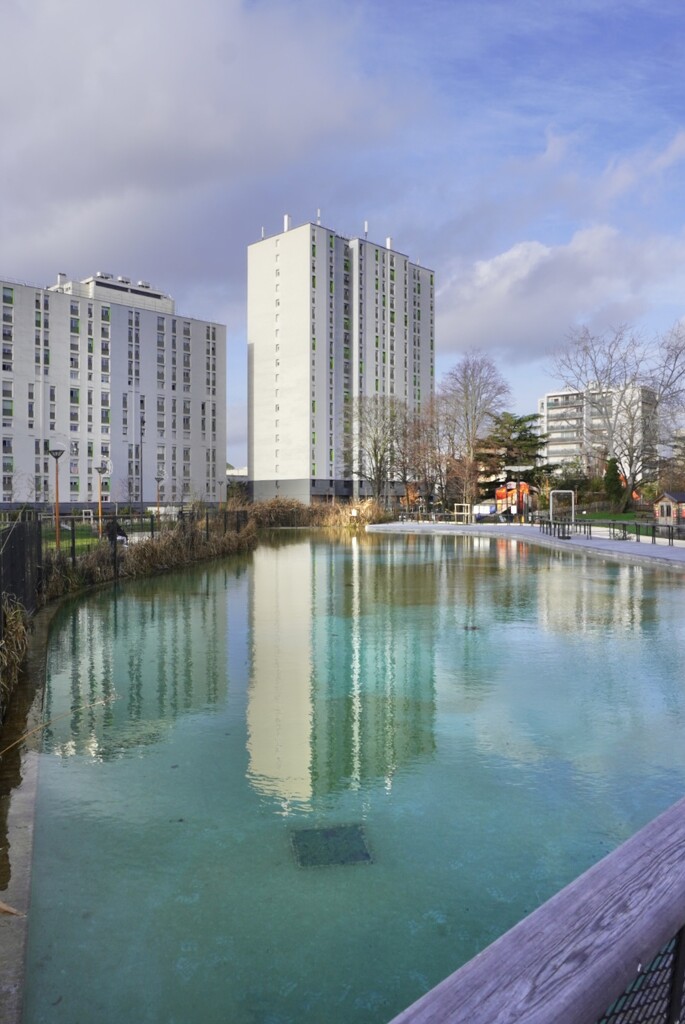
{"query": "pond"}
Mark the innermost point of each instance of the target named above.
(304, 786)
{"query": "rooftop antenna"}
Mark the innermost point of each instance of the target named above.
(318, 217)
(366, 229)
(262, 231)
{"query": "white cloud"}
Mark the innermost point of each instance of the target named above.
(155, 138)
(522, 302)
(124, 119)
(171, 92)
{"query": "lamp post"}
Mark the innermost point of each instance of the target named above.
(142, 435)
(57, 451)
(104, 467)
(220, 484)
(158, 479)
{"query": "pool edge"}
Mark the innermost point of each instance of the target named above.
(20, 820)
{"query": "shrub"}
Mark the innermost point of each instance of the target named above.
(280, 512)
(172, 549)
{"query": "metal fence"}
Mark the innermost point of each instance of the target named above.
(24, 545)
(619, 529)
(80, 533)
(655, 996)
(20, 558)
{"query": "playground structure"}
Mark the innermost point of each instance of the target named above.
(553, 494)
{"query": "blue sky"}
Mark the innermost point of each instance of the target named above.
(532, 152)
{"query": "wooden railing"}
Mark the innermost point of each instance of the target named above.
(608, 948)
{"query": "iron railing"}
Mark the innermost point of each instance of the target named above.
(79, 534)
(20, 549)
(24, 545)
(618, 529)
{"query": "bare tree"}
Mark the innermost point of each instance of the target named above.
(669, 377)
(376, 419)
(629, 388)
(472, 393)
(407, 432)
(443, 449)
(425, 441)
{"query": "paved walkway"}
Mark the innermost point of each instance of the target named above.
(601, 544)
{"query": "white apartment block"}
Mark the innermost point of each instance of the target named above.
(575, 424)
(329, 320)
(106, 370)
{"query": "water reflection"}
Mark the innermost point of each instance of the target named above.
(350, 646)
(353, 644)
(340, 691)
(434, 689)
(126, 665)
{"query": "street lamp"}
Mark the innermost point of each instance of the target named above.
(57, 451)
(158, 480)
(104, 467)
(220, 484)
(142, 435)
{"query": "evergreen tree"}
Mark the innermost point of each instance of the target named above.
(513, 441)
(613, 485)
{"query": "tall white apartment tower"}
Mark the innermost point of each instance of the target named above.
(329, 320)
(106, 370)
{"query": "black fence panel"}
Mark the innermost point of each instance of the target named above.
(20, 561)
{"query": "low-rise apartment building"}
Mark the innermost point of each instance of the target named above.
(106, 370)
(582, 426)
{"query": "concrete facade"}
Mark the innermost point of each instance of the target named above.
(330, 320)
(107, 370)
(575, 424)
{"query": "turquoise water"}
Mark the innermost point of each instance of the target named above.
(495, 717)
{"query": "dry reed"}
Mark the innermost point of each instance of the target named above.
(12, 647)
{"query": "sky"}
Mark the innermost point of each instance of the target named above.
(530, 152)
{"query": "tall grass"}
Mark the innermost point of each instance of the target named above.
(173, 549)
(13, 647)
(286, 512)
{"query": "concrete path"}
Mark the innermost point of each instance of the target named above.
(601, 544)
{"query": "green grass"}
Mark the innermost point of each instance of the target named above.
(87, 536)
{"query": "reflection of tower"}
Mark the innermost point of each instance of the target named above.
(384, 687)
(280, 705)
(341, 691)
